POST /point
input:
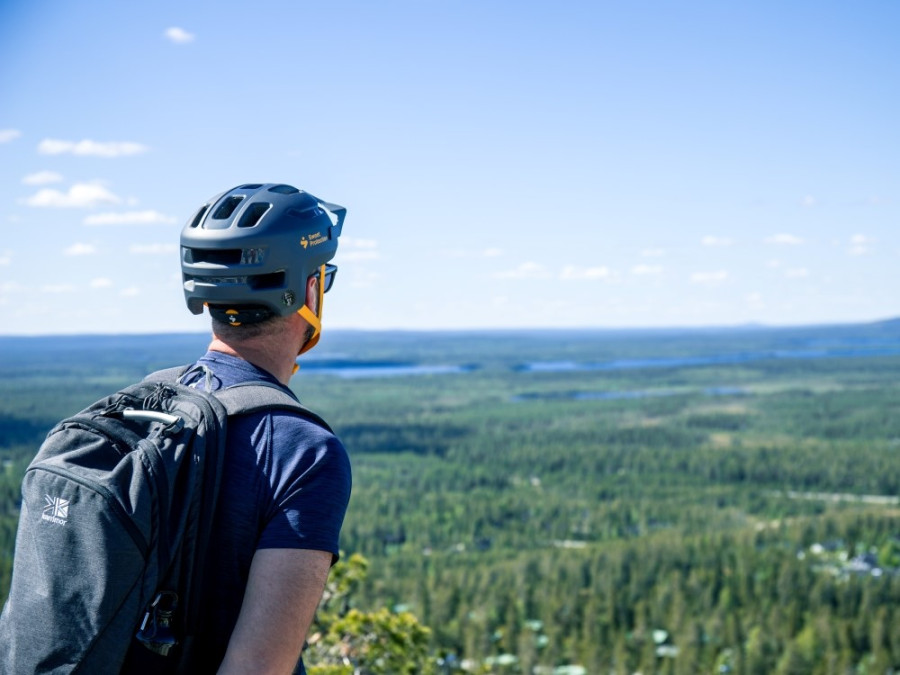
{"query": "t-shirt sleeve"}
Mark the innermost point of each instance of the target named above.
(311, 481)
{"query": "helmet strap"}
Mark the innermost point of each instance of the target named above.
(314, 319)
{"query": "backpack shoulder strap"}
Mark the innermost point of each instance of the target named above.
(246, 397)
(250, 397)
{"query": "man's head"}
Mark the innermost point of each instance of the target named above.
(259, 252)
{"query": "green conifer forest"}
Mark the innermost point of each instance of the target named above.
(553, 503)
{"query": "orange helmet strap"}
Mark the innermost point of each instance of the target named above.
(312, 318)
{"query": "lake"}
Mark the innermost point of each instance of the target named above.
(351, 369)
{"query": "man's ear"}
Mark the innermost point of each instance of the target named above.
(312, 293)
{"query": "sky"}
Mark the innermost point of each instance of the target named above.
(503, 164)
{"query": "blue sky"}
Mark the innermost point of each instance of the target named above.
(504, 165)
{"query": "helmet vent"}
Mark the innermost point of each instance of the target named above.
(251, 186)
(263, 282)
(226, 208)
(284, 189)
(305, 214)
(227, 257)
(202, 212)
(253, 213)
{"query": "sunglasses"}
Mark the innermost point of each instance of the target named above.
(327, 278)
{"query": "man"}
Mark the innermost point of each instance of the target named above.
(258, 257)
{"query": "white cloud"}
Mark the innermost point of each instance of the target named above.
(796, 273)
(154, 249)
(58, 288)
(860, 244)
(5, 258)
(351, 242)
(755, 300)
(101, 282)
(808, 201)
(129, 218)
(80, 249)
(130, 292)
(51, 146)
(527, 270)
(716, 241)
(570, 272)
(709, 277)
(7, 135)
(178, 35)
(646, 270)
(354, 250)
(653, 253)
(492, 253)
(784, 239)
(79, 195)
(42, 178)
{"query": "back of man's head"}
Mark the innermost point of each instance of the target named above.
(248, 255)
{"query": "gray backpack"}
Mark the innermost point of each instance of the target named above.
(117, 509)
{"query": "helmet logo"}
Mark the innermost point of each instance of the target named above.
(288, 298)
(314, 239)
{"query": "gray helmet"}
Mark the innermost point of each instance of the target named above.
(255, 246)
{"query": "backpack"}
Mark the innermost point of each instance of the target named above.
(117, 509)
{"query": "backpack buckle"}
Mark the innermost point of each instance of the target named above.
(156, 632)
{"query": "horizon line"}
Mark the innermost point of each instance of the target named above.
(749, 325)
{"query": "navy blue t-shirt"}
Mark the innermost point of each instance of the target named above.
(285, 484)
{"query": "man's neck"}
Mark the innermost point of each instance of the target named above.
(276, 359)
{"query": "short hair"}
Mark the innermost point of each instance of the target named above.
(228, 332)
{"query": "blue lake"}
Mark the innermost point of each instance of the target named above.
(348, 368)
(709, 360)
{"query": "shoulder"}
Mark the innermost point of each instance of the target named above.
(285, 420)
(294, 437)
(296, 432)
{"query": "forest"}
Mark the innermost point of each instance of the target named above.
(565, 502)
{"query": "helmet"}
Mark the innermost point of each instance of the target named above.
(254, 247)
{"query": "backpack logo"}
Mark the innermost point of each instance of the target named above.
(56, 510)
